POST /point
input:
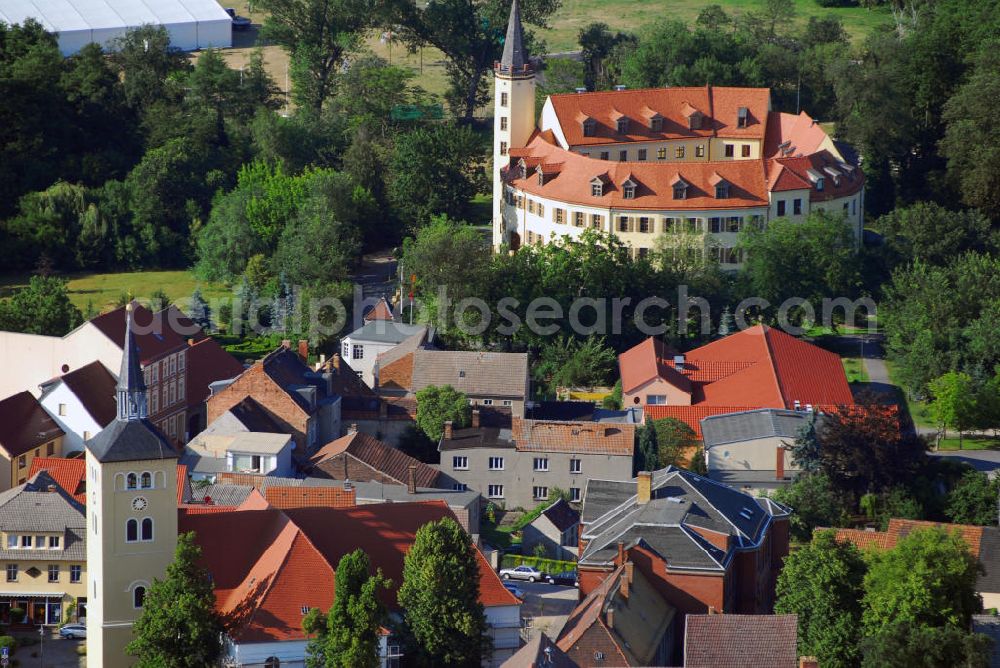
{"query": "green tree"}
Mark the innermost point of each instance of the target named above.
(436, 170)
(567, 362)
(816, 504)
(437, 405)
(954, 402)
(906, 645)
(674, 440)
(806, 448)
(974, 500)
(929, 578)
(199, 311)
(931, 233)
(813, 259)
(318, 35)
(179, 626)
(597, 43)
(42, 307)
(446, 253)
(349, 635)
(444, 618)
(145, 60)
(821, 582)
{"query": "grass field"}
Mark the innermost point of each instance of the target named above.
(102, 291)
(970, 443)
(855, 370)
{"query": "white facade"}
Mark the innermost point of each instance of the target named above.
(504, 622)
(361, 355)
(192, 24)
(513, 123)
(69, 413)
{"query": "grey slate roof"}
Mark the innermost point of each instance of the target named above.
(474, 373)
(740, 478)
(561, 515)
(515, 56)
(42, 505)
(989, 557)
(134, 440)
(385, 331)
(681, 502)
(752, 425)
(222, 494)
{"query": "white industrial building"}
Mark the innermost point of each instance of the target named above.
(192, 24)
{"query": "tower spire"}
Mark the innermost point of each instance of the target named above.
(131, 385)
(515, 56)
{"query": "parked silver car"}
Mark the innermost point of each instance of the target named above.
(529, 573)
(73, 631)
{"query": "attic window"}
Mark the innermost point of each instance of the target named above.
(656, 124)
(746, 513)
(722, 190)
(628, 190)
(742, 117)
(461, 374)
(680, 190)
(623, 125)
(596, 188)
(305, 609)
(589, 126)
(819, 183)
(523, 168)
(541, 178)
(694, 121)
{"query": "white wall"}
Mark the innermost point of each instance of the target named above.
(366, 365)
(505, 627)
(76, 422)
(757, 455)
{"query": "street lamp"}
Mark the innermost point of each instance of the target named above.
(41, 645)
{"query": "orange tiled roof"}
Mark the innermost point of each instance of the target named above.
(864, 540)
(381, 311)
(790, 135)
(593, 438)
(654, 181)
(381, 457)
(269, 564)
(689, 415)
(71, 475)
(839, 179)
(900, 528)
(718, 105)
(307, 497)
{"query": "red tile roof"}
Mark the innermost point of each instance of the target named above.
(654, 181)
(381, 311)
(790, 135)
(741, 641)
(839, 179)
(270, 564)
(759, 367)
(24, 424)
(719, 107)
(309, 497)
(900, 528)
(690, 415)
(208, 362)
(381, 457)
(592, 438)
(71, 475)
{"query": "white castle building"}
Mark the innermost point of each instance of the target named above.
(641, 163)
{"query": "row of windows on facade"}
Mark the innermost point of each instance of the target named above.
(720, 254)
(653, 224)
(164, 368)
(170, 393)
(642, 154)
(33, 542)
(538, 492)
(540, 464)
(75, 573)
(139, 532)
(654, 122)
(141, 480)
(50, 449)
(173, 426)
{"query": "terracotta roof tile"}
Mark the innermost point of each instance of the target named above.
(741, 641)
(900, 528)
(593, 438)
(381, 457)
(842, 180)
(381, 311)
(690, 415)
(719, 106)
(309, 497)
(863, 539)
(71, 475)
(792, 135)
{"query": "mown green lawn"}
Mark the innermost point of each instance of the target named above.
(632, 15)
(102, 291)
(919, 410)
(855, 370)
(970, 442)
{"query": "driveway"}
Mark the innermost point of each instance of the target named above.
(54, 652)
(547, 606)
(987, 461)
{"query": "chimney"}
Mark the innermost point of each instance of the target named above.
(303, 350)
(411, 479)
(626, 583)
(475, 418)
(322, 359)
(798, 405)
(190, 342)
(621, 552)
(779, 463)
(712, 610)
(679, 362)
(335, 361)
(286, 344)
(808, 662)
(50, 488)
(644, 487)
(609, 618)
(353, 428)
(448, 430)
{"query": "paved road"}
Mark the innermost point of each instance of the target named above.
(987, 461)
(56, 653)
(547, 606)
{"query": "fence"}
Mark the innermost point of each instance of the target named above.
(550, 566)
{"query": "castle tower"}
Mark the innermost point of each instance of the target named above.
(513, 115)
(131, 514)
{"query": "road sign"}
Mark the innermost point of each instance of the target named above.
(4, 652)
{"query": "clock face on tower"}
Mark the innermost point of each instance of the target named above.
(139, 503)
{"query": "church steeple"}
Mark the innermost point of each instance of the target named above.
(131, 384)
(515, 57)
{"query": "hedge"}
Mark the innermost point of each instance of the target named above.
(550, 566)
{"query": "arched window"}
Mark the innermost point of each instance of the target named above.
(138, 596)
(272, 662)
(147, 529)
(146, 481)
(130, 481)
(131, 531)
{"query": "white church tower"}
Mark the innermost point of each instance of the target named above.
(513, 115)
(131, 514)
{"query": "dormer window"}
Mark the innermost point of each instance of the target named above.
(522, 168)
(656, 123)
(695, 120)
(597, 188)
(742, 117)
(722, 190)
(541, 178)
(680, 190)
(820, 183)
(628, 189)
(622, 125)
(589, 127)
